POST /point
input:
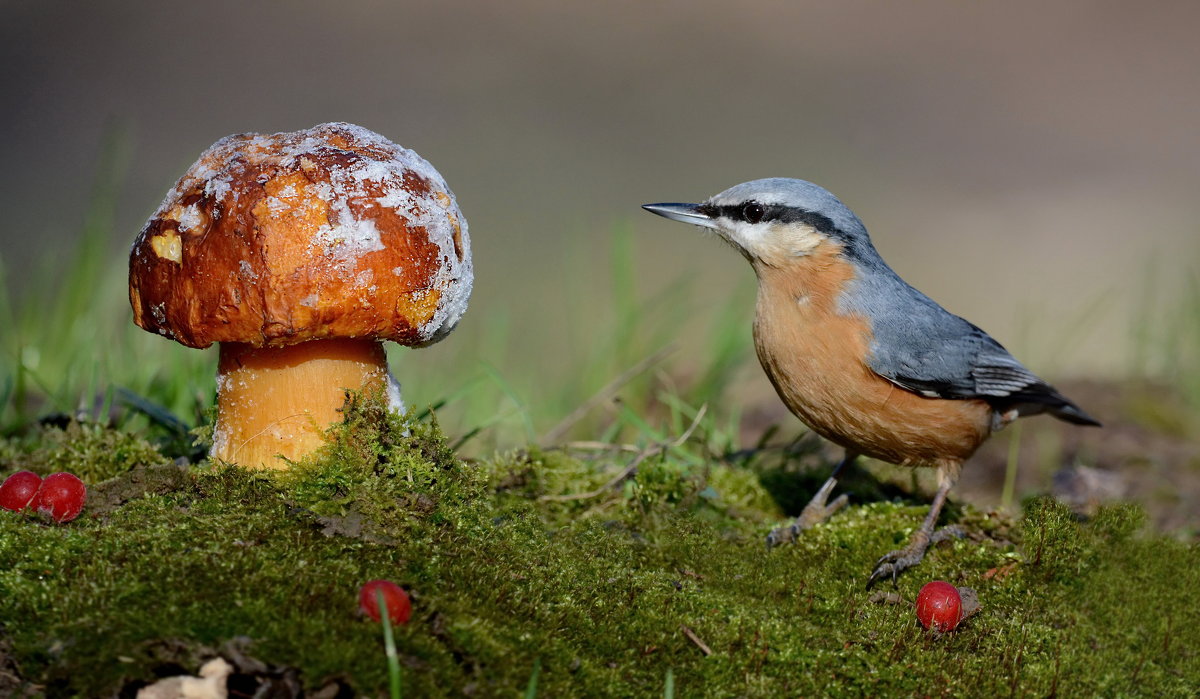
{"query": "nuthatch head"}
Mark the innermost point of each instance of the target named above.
(775, 220)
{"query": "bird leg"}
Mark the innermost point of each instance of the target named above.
(816, 511)
(893, 562)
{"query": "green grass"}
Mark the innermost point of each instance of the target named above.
(506, 576)
(1167, 335)
(69, 344)
(389, 646)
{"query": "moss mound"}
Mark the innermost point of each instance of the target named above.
(606, 572)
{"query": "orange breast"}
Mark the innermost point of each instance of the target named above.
(816, 358)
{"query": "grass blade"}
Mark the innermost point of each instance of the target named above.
(531, 688)
(1010, 467)
(506, 388)
(389, 647)
(157, 413)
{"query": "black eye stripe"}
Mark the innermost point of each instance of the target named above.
(773, 213)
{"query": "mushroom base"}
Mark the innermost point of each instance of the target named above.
(274, 404)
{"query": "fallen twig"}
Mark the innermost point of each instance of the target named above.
(696, 639)
(631, 469)
(687, 434)
(599, 446)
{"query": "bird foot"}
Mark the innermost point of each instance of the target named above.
(814, 513)
(892, 563)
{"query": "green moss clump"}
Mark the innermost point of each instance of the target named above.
(379, 464)
(91, 451)
(508, 569)
(637, 487)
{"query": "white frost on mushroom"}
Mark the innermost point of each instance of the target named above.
(395, 402)
(190, 217)
(220, 438)
(437, 212)
(346, 237)
(454, 278)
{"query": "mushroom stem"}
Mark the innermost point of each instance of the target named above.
(278, 402)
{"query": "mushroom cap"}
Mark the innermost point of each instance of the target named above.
(273, 240)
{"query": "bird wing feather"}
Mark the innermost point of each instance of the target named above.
(921, 347)
(928, 350)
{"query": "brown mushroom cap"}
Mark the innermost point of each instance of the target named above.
(273, 240)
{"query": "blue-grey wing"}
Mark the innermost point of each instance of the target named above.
(949, 358)
(922, 347)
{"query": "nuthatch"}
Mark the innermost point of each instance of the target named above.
(861, 357)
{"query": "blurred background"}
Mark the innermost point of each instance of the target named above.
(1033, 166)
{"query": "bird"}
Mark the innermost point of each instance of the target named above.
(861, 357)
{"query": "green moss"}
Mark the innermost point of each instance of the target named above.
(91, 451)
(505, 572)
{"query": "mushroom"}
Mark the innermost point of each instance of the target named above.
(300, 253)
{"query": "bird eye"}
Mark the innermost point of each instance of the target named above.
(753, 212)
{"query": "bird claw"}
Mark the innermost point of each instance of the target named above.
(782, 535)
(814, 513)
(892, 563)
(817, 512)
(899, 561)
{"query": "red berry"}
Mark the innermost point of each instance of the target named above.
(18, 490)
(61, 497)
(939, 606)
(398, 605)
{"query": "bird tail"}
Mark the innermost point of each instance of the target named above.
(1072, 413)
(1043, 398)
